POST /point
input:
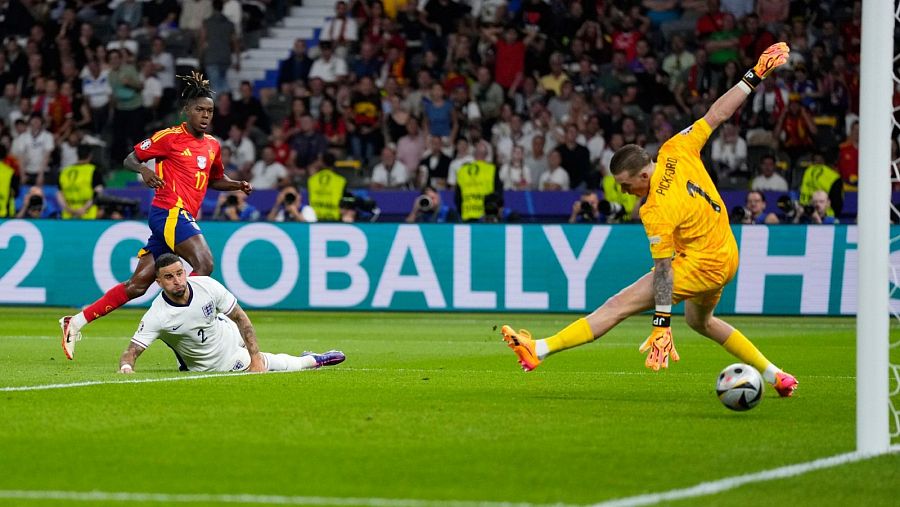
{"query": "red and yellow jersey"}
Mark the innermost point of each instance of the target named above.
(186, 165)
(684, 213)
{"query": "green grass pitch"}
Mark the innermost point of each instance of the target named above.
(430, 407)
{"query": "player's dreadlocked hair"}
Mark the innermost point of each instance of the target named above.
(195, 87)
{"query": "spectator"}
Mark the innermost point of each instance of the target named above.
(509, 63)
(8, 101)
(218, 43)
(586, 208)
(128, 12)
(754, 40)
(435, 165)
(555, 178)
(296, 66)
(553, 81)
(367, 63)
(308, 145)
(723, 44)
(233, 207)
(225, 116)
(163, 65)
(559, 105)
(230, 168)
(289, 207)
(440, 116)
(411, 149)
(768, 180)
(488, 95)
(193, 13)
(34, 204)
(250, 114)
(151, 94)
(729, 153)
(795, 129)
(754, 210)
(848, 158)
(291, 124)
(515, 136)
(536, 158)
(328, 67)
(123, 41)
(574, 158)
(515, 175)
(33, 149)
(389, 172)
(127, 120)
(495, 210)
(268, 173)
(243, 153)
(55, 108)
(79, 184)
(429, 208)
(710, 22)
(818, 212)
(233, 10)
(332, 126)
(772, 12)
(365, 131)
(341, 30)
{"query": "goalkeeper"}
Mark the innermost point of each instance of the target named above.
(694, 251)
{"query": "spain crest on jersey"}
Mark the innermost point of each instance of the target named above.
(201, 161)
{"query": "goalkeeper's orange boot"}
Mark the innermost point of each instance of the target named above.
(785, 383)
(523, 345)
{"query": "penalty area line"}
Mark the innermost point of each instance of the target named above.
(728, 483)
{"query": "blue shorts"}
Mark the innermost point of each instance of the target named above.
(168, 227)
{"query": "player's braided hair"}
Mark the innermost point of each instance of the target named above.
(195, 87)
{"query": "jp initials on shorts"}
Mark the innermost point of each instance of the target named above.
(168, 227)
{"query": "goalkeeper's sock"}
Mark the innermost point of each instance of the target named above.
(740, 347)
(286, 362)
(573, 335)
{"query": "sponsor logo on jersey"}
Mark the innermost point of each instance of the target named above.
(146, 144)
(201, 161)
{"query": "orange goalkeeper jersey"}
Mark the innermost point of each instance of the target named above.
(684, 213)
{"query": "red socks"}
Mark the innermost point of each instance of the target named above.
(113, 299)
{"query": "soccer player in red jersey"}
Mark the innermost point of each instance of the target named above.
(187, 162)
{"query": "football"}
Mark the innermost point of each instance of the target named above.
(740, 387)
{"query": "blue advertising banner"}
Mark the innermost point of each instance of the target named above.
(788, 270)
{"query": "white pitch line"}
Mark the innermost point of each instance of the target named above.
(43, 387)
(713, 487)
(105, 496)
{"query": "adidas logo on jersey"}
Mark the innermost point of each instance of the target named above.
(186, 152)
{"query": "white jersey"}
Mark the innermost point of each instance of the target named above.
(203, 338)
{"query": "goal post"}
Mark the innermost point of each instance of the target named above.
(873, 305)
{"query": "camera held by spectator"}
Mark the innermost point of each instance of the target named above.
(586, 209)
(816, 212)
(429, 207)
(289, 207)
(34, 205)
(354, 208)
(234, 207)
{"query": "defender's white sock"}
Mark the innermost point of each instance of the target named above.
(285, 362)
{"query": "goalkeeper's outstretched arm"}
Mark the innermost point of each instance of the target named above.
(725, 106)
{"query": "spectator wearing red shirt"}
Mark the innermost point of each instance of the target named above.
(755, 39)
(711, 21)
(55, 108)
(509, 63)
(848, 158)
(795, 129)
(281, 146)
(626, 39)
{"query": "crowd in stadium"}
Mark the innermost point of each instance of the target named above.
(402, 95)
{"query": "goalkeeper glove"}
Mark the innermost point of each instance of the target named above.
(774, 56)
(660, 343)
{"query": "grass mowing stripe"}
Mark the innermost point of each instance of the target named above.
(713, 487)
(106, 496)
